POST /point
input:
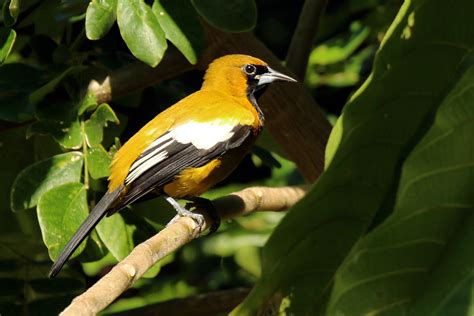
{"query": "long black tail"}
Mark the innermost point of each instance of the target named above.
(99, 211)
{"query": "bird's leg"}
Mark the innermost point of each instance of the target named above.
(200, 202)
(198, 218)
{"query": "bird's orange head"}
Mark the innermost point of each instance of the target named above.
(240, 75)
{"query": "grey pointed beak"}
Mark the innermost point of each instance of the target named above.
(273, 75)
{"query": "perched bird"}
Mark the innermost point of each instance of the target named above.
(189, 147)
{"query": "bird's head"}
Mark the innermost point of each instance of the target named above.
(241, 75)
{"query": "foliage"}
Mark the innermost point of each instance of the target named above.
(387, 229)
(406, 183)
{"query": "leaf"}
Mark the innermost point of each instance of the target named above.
(16, 83)
(11, 9)
(67, 134)
(100, 16)
(179, 21)
(38, 95)
(141, 31)
(61, 211)
(380, 125)
(434, 203)
(88, 103)
(98, 162)
(7, 39)
(19, 155)
(36, 179)
(231, 15)
(94, 127)
(116, 236)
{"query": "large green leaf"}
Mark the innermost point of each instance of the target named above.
(7, 39)
(380, 125)
(179, 21)
(116, 236)
(61, 211)
(100, 16)
(42, 176)
(395, 262)
(231, 15)
(141, 31)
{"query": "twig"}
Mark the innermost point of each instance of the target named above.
(174, 236)
(213, 303)
(302, 41)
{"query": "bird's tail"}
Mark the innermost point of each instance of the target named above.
(99, 211)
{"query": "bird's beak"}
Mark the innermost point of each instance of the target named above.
(273, 75)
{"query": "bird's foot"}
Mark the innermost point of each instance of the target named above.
(183, 212)
(199, 202)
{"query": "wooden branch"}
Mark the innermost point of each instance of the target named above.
(174, 236)
(206, 304)
(303, 38)
(291, 113)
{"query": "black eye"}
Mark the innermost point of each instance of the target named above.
(250, 70)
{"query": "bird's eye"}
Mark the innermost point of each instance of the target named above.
(250, 70)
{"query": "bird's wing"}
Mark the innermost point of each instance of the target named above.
(189, 145)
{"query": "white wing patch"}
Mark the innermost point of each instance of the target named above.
(203, 135)
(200, 135)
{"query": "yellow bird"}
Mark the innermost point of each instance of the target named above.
(189, 147)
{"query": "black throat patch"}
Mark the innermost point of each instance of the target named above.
(254, 91)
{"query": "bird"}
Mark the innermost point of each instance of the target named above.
(189, 147)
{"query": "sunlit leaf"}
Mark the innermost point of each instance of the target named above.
(100, 17)
(141, 31)
(42, 176)
(116, 236)
(7, 39)
(61, 211)
(98, 162)
(179, 21)
(67, 134)
(94, 127)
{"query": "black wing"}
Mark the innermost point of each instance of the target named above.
(159, 164)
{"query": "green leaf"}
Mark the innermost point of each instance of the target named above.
(11, 9)
(89, 102)
(19, 155)
(94, 127)
(61, 211)
(434, 202)
(36, 179)
(179, 21)
(231, 15)
(7, 39)
(100, 16)
(116, 236)
(141, 31)
(16, 83)
(380, 125)
(67, 134)
(98, 162)
(38, 95)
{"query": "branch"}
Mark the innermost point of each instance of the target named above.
(174, 236)
(302, 41)
(292, 114)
